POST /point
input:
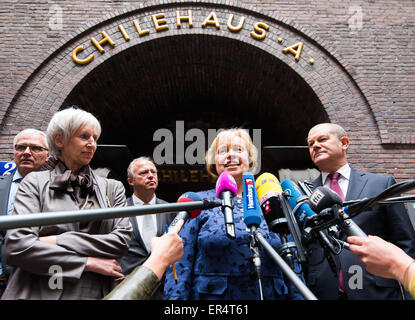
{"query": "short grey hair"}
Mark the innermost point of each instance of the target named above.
(31, 131)
(66, 122)
(130, 169)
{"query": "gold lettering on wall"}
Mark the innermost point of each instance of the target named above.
(78, 60)
(260, 31)
(139, 30)
(295, 49)
(106, 39)
(124, 33)
(211, 20)
(159, 22)
(187, 18)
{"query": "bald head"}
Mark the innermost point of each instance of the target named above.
(328, 144)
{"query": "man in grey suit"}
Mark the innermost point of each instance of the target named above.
(30, 153)
(142, 177)
(328, 144)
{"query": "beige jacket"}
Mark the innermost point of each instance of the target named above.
(37, 264)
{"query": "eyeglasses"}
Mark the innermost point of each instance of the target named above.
(34, 149)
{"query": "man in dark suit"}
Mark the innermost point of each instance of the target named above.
(328, 144)
(142, 177)
(30, 153)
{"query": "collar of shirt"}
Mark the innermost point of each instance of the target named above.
(344, 171)
(343, 179)
(17, 176)
(138, 202)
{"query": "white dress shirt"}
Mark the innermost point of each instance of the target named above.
(139, 202)
(17, 178)
(343, 180)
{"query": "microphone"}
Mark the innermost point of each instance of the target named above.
(186, 215)
(252, 213)
(269, 193)
(298, 201)
(252, 219)
(226, 189)
(324, 198)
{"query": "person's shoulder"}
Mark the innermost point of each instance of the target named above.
(207, 194)
(372, 174)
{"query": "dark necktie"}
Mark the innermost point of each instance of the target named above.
(334, 185)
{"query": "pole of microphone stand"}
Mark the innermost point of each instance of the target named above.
(60, 217)
(256, 258)
(288, 272)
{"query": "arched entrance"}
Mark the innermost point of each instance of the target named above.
(181, 66)
(214, 83)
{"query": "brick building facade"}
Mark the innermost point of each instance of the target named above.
(276, 66)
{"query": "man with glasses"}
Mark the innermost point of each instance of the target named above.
(30, 153)
(143, 179)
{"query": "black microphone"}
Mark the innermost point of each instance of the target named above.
(324, 198)
(227, 189)
(270, 199)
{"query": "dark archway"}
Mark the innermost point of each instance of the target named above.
(211, 82)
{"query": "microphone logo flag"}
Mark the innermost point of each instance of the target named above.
(250, 194)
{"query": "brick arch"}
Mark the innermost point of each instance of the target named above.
(343, 97)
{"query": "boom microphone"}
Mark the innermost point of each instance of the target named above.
(227, 189)
(324, 198)
(186, 215)
(298, 201)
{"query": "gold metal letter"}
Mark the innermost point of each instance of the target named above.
(211, 19)
(295, 50)
(180, 18)
(123, 32)
(260, 30)
(81, 61)
(103, 41)
(238, 27)
(138, 28)
(159, 22)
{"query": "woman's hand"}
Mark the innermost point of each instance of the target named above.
(106, 267)
(48, 239)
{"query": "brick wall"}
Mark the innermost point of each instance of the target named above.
(366, 52)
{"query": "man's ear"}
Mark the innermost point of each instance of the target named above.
(130, 182)
(345, 142)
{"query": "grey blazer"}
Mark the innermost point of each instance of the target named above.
(37, 263)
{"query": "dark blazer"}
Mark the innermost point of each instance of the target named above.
(137, 253)
(389, 222)
(5, 186)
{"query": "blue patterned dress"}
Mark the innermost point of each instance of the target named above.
(216, 267)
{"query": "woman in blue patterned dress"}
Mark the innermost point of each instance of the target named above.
(214, 266)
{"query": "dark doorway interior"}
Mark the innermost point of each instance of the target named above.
(208, 82)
